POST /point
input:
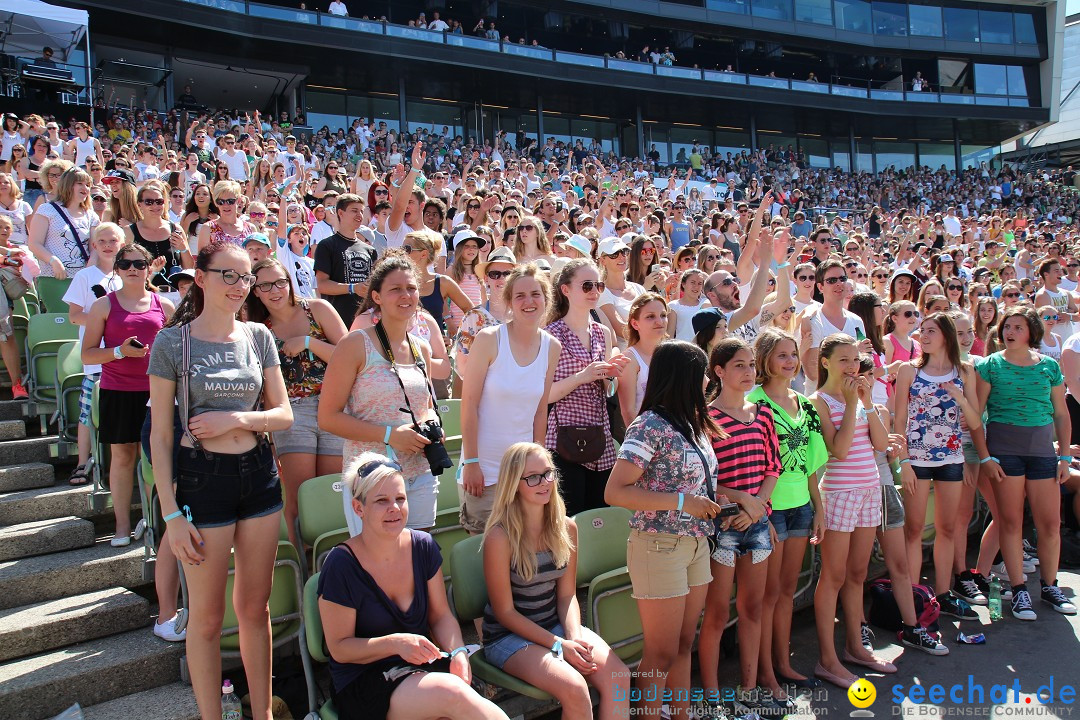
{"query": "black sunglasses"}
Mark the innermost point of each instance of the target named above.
(153, 201)
(835, 279)
(587, 286)
(227, 201)
(498, 274)
(128, 264)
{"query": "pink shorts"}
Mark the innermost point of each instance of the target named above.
(846, 510)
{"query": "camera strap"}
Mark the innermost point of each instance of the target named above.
(380, 331)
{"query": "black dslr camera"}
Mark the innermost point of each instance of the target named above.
(437, 457)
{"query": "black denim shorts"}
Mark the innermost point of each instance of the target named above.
(221, 488)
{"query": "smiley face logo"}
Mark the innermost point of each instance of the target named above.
(862, 693)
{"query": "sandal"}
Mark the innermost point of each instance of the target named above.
(78, 477)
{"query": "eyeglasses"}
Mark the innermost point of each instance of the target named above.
(410, 248)
(498, 274)
(835, 279)
(804, 278)
(1050, 317)
(860, 276)
(547, 476)
(1011, 295)
(911, 314)
(791, 308)
(280, 284)
(177, 196)
(513, 217)
(530, 228)
(98, 198)
(587, 286)
(231, 277)
(618, 253)
(712, 258)
(160, 202)
(1071, 266)
(128, 264)
(227, 201)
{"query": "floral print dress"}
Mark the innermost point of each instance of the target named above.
(934, 432)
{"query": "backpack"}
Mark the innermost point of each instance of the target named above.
(885, 614)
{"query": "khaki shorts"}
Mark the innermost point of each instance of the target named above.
(666, 566)
(475, 510)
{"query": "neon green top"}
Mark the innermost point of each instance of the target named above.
(802, 449)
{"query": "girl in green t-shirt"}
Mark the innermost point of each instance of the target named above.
(1023, 394)
(797, 518)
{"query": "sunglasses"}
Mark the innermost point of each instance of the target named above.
(618, 253)
(228, 201)
(1071, 266)
(587, 286)
(231, 277)
(791, 308)
(729, 281)
(712, 258)
(911, 314)
(153, 201)
(410, 248)
(470, 206)
(647, 250)
(1011, 295)
(128, 264)
(98, 198)
(804, 278)
(836, 279)
(498, 274)
(280, 284)
(954, 287)
(257, 215)
(382, 191)
(880, 276)
(548, 476)
(1050, 317)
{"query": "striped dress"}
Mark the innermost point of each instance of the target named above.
(859, 470)
(534, 599)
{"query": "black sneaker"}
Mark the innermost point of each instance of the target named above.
(966, 587)
(955, 607)
(917, 637)
(1052, 594)
(1021, 604)
(867, 637)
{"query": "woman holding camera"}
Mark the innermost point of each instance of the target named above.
(376, 392)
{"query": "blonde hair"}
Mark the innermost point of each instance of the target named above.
(422, 239)
(764, 347)
(16, 191)
(528, 270)
(104, 227)
(43, 173)
(376, 468)
(65, 188)
(227, 186)
(506, 513)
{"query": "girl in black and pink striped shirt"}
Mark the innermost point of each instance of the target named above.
(748, 455)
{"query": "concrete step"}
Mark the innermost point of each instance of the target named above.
(47, 577)
(36, 449)
(12, 430)
(61, 500)
(33, 629)
(12, 409)
(168, 702)
(42, 537)
(43, 685)
(26, 476)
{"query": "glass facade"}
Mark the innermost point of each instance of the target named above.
(934, 155)
(772, 9)
(818, 12)
(996, 26)
(890, 18)
(961, 24)
(853, 15)
(925, 20)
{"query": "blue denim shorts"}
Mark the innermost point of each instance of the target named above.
(731, 543)
(953, 472)
(793, 522)
(1029, 466)
(498, 652)
(222, 488)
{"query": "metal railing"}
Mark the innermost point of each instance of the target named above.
(379, 27)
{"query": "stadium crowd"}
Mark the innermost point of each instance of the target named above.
(750, 354)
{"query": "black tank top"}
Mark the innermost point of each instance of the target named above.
(32, 184)
(157, 248)
(434, 303)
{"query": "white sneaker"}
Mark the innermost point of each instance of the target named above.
(167, 630)
(1000, 571)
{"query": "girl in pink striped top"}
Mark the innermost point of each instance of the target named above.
(852, 500)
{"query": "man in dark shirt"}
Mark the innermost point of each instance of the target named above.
(343, 264)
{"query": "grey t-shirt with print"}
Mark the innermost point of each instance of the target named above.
(223, 376)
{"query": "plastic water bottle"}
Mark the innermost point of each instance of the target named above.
(230, 704)
(995, 599)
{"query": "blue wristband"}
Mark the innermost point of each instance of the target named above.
(783, 265)
(173, 516)
(458, 651)
(987, 459)
(386, 436)
(681, 499)
(461, 467)
(351, 289)
(1065, 458)
(905, 461)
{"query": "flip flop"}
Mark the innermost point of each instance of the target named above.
(78, 477)
(840, 682)
(876, 665)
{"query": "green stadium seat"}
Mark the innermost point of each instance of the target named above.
(50, 294)
(320, 520)
(316, 641)
(46, 333)
(450, 412)
(69, 379)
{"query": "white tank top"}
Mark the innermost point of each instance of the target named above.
(58, 148)
(1060, 301)
(642, 378)
(83, 150)
(684, 326)
(508, 403)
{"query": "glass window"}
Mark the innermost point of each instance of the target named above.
(841, 157)
(890, 18)
(739, 7)
(731, 142)
(425, 116)
(772, 9)
(1017, 82)
(934, 155)
(657, 137)
(961, 24)
(973, 155)
(925, 20)
(325, 108)
(898, 155)
(1025, 29)
(865, 160)
(995, 26)
(991, 79)
(853, 15)
(557, 128)
(379, 109)
(814, 11)
(816, 151)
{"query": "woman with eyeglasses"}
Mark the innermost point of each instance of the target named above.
(127, 321)
(955, 292)
(589, 360)
(642, 257)
(59, 232)
(902, 320)
(229, 225)
(532, 241)
(1011, 294)
(306, 332)
(165, 241)
(532, 623)
(227, 494)
(619, 292)
(378, 192)
(707, 258)
(49, 177)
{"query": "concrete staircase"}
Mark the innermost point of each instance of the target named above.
(75, 619)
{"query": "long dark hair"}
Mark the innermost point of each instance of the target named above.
(191, 306)
(863, 305)
(676, 376)
(256, 310)
(721, 355)
(952, 341)
(191, 207)
(637, 271)
(560, 305)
